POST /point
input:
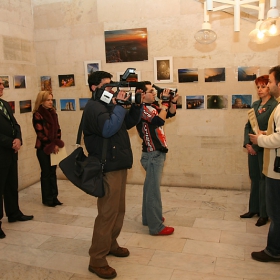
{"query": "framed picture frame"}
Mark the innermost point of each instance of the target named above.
(6, 81)
(46, 83)
(66, 80)
(90, 67)
(163, 69)
(131, 78)
(19, 81)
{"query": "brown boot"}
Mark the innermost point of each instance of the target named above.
(120, 252)
(105, 272)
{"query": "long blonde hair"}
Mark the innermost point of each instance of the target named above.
(41, 97)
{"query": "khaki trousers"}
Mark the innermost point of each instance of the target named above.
(109, 221)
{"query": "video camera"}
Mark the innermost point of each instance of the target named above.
(159, 90)
(135, 97)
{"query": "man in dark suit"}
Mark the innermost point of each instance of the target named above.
(10, 143)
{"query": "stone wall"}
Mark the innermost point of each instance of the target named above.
(205, 146)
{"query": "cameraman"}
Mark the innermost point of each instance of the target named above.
(111, 121)
(154, 149)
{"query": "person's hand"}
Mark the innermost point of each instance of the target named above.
(121, 96)
(16, 145)
(165, 93)
(56, 149)
(250, 150)
(254, 138)
(175, 98)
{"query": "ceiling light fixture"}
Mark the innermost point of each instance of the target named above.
(205, 35)
(271, 26)
(256, 35)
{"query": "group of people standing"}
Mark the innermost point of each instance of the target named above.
(263, 147)
(45, 122)
(102, 120)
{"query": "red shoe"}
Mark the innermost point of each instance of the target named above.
(166, 231)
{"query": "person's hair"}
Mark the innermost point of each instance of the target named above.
(276, 71)
(94, 79)
(142, 85)
(41, 97)
(262, 80)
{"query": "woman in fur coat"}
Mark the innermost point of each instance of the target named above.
(45, 123)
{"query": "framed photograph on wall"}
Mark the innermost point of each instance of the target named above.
(12, 105)
(25, 106)
(83, 102)
(131, 78)
(188, 75)
(67, 105)
(90, 67)
(217, 101)
(46, 83)
(248, 73)
(19, 81)
(163, 69)
(214, 75)
(6, 81)
(195, 102)
(66, 80)
(241, 101)
(126, 45)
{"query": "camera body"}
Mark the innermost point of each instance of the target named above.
(134, 97)
(159, 90)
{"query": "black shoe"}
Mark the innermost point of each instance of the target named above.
(249, 215)
(50, 204)
(57, 202)
(21, 218)
(263, 257)
(261, 222)
(2, 234)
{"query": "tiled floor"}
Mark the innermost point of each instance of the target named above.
(210, 241)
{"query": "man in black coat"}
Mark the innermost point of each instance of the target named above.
(10, 143)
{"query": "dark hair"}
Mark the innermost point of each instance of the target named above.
(276, 71)
(142, 86)
(262, 80)
(94, 79)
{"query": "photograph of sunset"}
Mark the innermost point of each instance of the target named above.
(126, 45)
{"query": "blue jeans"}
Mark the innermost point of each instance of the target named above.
(152, 207)
(273, 211)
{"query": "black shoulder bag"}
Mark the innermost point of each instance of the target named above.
(84, 172)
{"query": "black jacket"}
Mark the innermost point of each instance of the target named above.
(101, 121)
(9, 130)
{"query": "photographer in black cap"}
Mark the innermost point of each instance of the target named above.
(104, 119)
(154, 149)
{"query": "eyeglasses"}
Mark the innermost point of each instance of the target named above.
(150, 91)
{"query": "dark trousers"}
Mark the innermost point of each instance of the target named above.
(273, 211)
(257, 201)
(49, 188)
(9, 189)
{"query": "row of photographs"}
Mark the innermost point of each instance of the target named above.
(187, 75)
(192, 102)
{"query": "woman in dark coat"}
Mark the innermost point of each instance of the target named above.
(263, 108)
(45, 123)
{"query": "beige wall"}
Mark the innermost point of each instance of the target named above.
(205, 145)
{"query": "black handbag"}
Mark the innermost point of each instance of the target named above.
(84, 172)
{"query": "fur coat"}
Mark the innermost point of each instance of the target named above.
(45, 123)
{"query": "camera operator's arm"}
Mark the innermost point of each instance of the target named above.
(164, 104)
(173, 104)
(114, 123)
